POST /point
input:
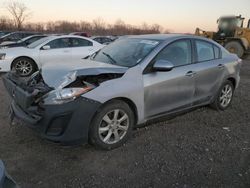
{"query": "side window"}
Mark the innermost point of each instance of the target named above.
(14, 36)
(98, 40)
(31, 40)
(19, 36)
(59, 43)
(216, 52)
(107, 40)
(179, 53)
(80, 42)
(205, 51)
(24, 35)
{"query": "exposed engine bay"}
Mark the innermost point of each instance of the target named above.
(33, 85)
(94, 80)
(36, 88)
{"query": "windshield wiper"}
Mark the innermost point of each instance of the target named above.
(112, 60)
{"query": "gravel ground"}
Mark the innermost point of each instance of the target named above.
(202, 148)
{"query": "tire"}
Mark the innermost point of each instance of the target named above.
(236, 48)
(105, 129)
(225, 95)
(24, 67)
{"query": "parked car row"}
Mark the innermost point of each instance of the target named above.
(6, 37)
(14, 36)
(22, 42)
(29, 58)
(77, 97)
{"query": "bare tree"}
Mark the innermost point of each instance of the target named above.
(96, 27)
(18, 11)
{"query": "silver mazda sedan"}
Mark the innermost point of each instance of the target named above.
(133, 80)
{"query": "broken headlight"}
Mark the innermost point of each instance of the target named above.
(65, 95)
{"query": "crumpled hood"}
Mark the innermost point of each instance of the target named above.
(54, 73)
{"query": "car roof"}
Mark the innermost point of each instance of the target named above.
(160, 37)
(32, 36)
(170, 37)
(66, 36)
(100, 37)
(52, 37)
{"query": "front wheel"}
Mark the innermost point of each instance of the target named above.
(24, 66)
(112, 125)
(224, 97)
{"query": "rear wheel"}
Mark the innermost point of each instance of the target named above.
(24, 66)
(112, 125)
(224, 97)
(235, 47)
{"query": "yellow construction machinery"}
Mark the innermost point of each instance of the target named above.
(231, 34)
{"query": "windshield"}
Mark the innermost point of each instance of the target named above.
(126, 52)
(24, 39)
(38, 42)
(228, 23)
(3, 34)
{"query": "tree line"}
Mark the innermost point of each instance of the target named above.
(96, 27)
(20, 14)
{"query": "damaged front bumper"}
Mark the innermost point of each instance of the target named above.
(67, 123)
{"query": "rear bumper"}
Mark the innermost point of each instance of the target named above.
(66, 123)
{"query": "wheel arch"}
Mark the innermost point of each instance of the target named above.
(36, 66)
(129, 102)
(233, 80)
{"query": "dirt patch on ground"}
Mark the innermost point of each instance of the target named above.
(202, 148)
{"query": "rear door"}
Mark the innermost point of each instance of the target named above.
(209, 70)
(81, 48)
(60, 51)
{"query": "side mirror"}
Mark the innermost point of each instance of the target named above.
(163, 65)
(46, 47)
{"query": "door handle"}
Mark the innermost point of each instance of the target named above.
(66, 51)
(221, 66)
(190, 73)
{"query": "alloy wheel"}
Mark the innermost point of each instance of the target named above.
(114, 126)
(23, 67)
(226, 95)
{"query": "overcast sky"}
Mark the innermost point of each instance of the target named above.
(175, 15)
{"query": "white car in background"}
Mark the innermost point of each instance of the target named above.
(52, 49)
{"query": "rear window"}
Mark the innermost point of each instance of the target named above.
(216, 52)
(76, 42)
(205, 51)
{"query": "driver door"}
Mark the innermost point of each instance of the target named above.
(169, 91)
(59, 51)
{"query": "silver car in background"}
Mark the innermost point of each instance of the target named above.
(128, 82)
